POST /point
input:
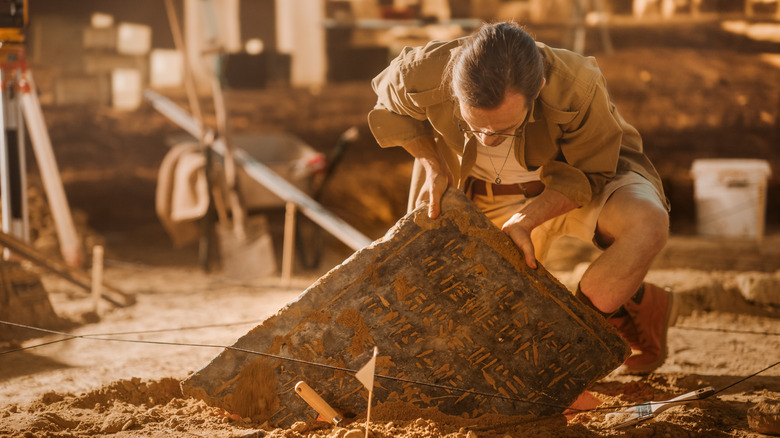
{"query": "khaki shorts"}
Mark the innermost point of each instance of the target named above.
(579, 223)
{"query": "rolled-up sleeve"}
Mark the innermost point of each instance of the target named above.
(396, 119)
(590, 149)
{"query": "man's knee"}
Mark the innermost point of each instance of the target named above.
(629, 215)
(653, 225)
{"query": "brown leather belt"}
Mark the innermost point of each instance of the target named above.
(529, 189)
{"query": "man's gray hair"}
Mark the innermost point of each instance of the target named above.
(500, 57)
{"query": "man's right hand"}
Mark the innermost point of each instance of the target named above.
(437, 175)
(433, 189)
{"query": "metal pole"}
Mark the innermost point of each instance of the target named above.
(5, 180)
(21, 141)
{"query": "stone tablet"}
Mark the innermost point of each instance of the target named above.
(460, 321)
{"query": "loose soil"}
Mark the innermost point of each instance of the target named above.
(691, 89)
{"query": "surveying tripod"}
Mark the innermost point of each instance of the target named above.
(20, 109)
(12, 155)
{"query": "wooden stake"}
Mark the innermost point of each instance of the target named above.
(55, 266)
(289, 243)
(368, 412)
(97, 276)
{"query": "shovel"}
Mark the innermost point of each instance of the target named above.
(246, 249)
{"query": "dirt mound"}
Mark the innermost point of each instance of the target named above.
(133, 391)
(148, 408)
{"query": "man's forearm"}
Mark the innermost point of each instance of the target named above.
(424, 149)
(548, 205)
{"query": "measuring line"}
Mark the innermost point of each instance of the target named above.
(743, 332)
(137, 332)
(70, 336)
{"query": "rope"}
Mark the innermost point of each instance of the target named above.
(70, 336)
(743, 379)
(103, 337)
(742, 332)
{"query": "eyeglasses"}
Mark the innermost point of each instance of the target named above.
(494, 134)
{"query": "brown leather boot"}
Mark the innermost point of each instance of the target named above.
(652, 310)
(622, 321)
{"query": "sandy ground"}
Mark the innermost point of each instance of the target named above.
(692, 92)
(120, 376)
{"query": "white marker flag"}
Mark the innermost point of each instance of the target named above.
(366, 374)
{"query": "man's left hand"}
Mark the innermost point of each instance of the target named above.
(521, 236)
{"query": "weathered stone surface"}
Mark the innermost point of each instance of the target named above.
(461, 324)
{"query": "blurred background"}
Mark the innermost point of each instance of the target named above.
(700, 79)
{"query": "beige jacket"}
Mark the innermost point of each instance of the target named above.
(574, 134)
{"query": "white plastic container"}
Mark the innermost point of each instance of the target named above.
(126, 88)
(730, 197)
(99, 20)
(166, 68)
(133, 39)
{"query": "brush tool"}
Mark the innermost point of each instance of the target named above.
(645, 411)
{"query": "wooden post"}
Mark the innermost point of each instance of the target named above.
(289, 242)
(59, 268)
(97, 277)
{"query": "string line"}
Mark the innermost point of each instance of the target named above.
(99, 337)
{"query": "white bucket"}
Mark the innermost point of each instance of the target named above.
(730, 197)
(133, 39)
(166, 68)
(126, 88)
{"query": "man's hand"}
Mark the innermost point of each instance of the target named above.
(437, 175)
(433, 189)
(521, 235)
(539, 210)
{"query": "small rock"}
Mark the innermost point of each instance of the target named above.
(128, 424)
(338, 432)
(114, 423)
(298, 426)
(765, 417)
(471, 434)
(52, 397)
(354, 433)
(760, 287)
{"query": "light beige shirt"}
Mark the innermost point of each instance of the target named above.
(494, 162)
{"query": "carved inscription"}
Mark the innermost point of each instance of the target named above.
(460, 324)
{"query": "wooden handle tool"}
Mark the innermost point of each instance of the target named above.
(645, 411)
(327, 413)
